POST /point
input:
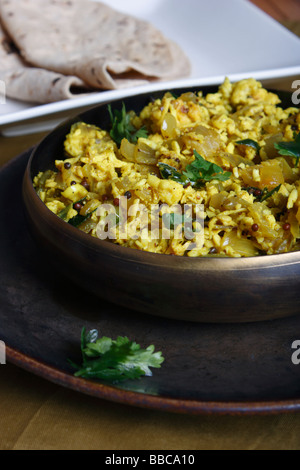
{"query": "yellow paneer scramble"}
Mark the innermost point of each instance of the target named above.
(234, 152)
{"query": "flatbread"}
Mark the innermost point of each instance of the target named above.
(88, 44)
(32, 84)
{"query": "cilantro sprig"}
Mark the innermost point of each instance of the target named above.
(196, 173)
(290, 149)
(122, 127)
(114, 360)
(202, 170)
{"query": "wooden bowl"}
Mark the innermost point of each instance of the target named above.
(194, 289)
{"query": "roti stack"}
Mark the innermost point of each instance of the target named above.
(54, 49)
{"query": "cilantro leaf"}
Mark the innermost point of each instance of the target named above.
(249, 143)
(122, 127)
(196, 173)
(201, 170)
(290, 149)
(114, 360)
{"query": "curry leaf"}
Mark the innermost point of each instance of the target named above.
(266, 194)
(261, 194)
(63, 214)
(249, 143)
(78, 219)
(290, 149)
(170, 173)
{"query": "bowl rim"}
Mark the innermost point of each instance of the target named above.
(185, 263)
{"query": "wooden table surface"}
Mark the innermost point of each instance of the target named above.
(280, 10)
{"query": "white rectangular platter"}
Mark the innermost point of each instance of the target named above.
(221, 38)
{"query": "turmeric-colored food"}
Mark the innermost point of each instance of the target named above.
(235, 152)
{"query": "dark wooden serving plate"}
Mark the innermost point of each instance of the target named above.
(208, 368)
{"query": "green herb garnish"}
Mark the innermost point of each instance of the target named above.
(290, 149)
(122, 127)
(200, 170)
(261, 194)
(64, 212)
(173, 220)
(249, 143)
(114, 360)
(266, 193)
(196, 173)
(168, 172)
(78, 219)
